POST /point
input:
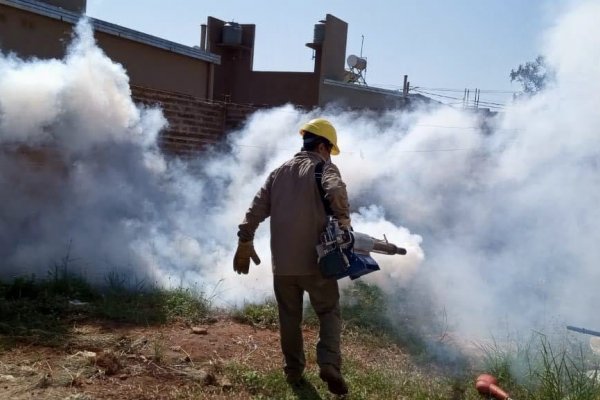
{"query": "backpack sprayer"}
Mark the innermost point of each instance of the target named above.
(345, 253)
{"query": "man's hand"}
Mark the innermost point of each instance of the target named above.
(344, 224)
(241, 261)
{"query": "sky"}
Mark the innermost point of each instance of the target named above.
(453, 44)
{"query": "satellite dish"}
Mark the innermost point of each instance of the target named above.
(357, 62)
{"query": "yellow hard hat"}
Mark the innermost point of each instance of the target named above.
(322, 127)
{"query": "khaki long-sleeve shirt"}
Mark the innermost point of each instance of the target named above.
(291, 198)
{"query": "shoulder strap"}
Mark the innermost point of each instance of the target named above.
(319, 178)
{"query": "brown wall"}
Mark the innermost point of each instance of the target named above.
(236, 61)
(157, 68)
(193, 123)
(236, 81)
(334, 49)
(277, 88)
(29, 34)
(71, 5)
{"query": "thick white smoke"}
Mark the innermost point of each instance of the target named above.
(83, 178)
(504, 219)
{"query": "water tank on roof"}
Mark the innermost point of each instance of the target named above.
(356, 62)
(319, 34)
(232, 33)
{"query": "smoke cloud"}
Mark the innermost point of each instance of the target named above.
(500, 218)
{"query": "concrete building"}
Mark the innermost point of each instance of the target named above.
(236, 81)
(41, 29)
(204, 90)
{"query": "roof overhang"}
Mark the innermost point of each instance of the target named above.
(112, 29)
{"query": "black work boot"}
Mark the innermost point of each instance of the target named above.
(334, 379)
(294, 379)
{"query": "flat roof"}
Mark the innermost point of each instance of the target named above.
(374, 89)
(71, 17)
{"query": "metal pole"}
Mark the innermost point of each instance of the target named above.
(203, 36)
(583, 330)
(361, 44)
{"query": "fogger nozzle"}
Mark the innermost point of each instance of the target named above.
(365, 243)
(379, 246)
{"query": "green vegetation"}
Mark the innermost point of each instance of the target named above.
(44, 310)
(366, 382)
(262, 315)
(534, 76)
(543, 369)
(36, 308)
(261, 385)
(534, 369)
(385, 355)
(153, 306)
(366, 308)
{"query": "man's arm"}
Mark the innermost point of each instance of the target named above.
(336, 195)
(259, 210)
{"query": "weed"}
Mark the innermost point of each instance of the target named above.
(562, 373)
(365, 382)
(42, 310)
(185, 304)
(365, 307)
(264, 315)
(546, 370)
(151, 305)
(269, 384)
(507, 362)
(158, 349)
(62, 282)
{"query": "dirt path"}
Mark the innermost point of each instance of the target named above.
(99, 361)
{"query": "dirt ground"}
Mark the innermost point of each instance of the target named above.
(112, 361)
(100, 361)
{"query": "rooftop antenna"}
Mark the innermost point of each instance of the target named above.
(362, 42)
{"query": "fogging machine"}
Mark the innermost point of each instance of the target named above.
(345, 253)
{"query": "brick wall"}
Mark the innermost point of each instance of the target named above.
(193, 123)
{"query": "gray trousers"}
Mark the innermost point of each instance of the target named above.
(324, 297)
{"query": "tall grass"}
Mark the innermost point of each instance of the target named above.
(546, 369)
(44, 309)
(262, 315)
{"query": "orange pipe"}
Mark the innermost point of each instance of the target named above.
(488, 378)
(486, 384)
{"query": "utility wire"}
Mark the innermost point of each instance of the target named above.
(488, 91)
(354, 152)
(462, 90)
(434, 94)
(455, 98)
(486, 103)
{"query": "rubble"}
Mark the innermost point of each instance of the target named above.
(109, 362)
(7, 378)
(199, 330)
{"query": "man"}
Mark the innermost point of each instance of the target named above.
(292, 199)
